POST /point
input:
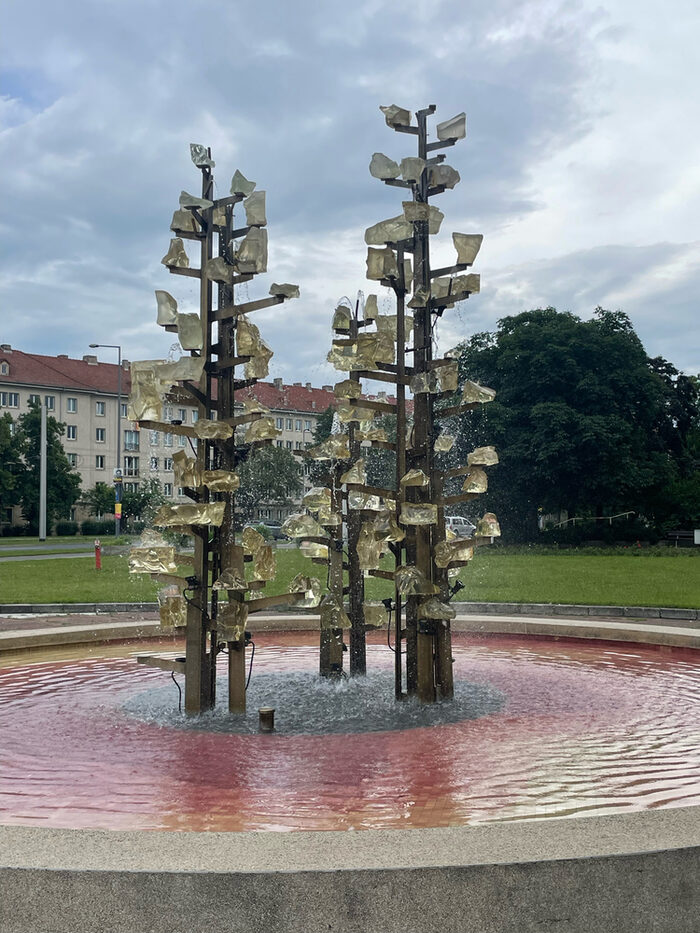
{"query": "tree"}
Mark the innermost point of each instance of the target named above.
(99, 500)
(62, 482)
(270, 476)
(11, 466)
(582, 419)
(143, 503)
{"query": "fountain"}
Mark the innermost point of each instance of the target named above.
(371, 806)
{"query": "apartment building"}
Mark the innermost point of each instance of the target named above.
(83, 394)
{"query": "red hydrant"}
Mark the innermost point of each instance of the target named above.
(98, 554)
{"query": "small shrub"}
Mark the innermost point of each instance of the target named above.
(92, 527)
(66, 528)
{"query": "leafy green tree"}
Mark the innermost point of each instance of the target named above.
(62, 482)
(11, 465)
(99, 500)
(271, 476)
(143, 503)
(582, 419)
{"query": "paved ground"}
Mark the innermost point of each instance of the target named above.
(25, 622)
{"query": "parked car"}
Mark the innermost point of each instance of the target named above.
(274, 528)
(462, 527)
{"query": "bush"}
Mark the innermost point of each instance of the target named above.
(600, 533)
(136, 527)
(92, 527)
(66, 528)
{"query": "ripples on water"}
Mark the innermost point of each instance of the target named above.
(540, 729)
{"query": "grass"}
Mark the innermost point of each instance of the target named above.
(619, 579)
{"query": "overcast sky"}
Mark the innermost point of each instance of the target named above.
(581, 165)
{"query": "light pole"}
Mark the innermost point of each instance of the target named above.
(118, 471)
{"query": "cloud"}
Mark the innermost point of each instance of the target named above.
(579, 135)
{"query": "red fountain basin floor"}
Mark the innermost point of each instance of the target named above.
(583, 728)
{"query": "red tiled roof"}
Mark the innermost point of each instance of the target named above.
(31, 369)
(292, 397)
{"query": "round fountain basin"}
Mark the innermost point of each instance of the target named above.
(539, 729)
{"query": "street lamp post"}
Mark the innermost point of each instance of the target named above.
(118, 471)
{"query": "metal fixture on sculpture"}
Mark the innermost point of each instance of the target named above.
(212, 604)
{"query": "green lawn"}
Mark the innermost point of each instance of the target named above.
(629, 579)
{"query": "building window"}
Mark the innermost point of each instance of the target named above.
(72, 459)
(167, 489)
(297, 424)
(50, 401)
(13, 428)
(131, 440)
(99, 462)
(168, 463)
(131, 487)
(298, 445)
(180, 491)
(289, 445)
(124, 409)
(168, 440)
(195, 416)
(100, 435)
(289, 424)
(155, 438)
(131, 466)
(154, 463)
(71, 432)
(182, 441)
(72, 405)
(182, 415)
(279, 443)
(280, 424)
(34, 398)
(9, 399)
(167, 413)
(5, 370)
(307, 425)
(100, 408)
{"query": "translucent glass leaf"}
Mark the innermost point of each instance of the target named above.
(333, 614)
(473, 392)
(311, 588)
(420, 299)
(443, 443)
(369, 547)
(335, 447)
(348, 412)
(176, 255)
(342, 317)
(396, 116)
(467, 246)
(212, 430)
(456, 550)
(231, 620)
(436, 381)
(251, 540)
(375, 614)
(312, 549)
(188, 369)
(383, 167)
(436, 609)
(482, 456)
(455, 128)
(389, 231)
(221, 480)
(328, 518)
(356, 473)
(185, 470)
(443, 175)
(152, 555)
(414, 478)
(412, 168)
(172, 608)
(386, 528)
(200, 156)
(167, 308)
(363, 501)
(205, 513)
(230, 580)
(255, 209)
(184, 221)
(418, 513)
(410, 581)
(317, 498)
(476, 481)
(241, 185)
(347, 388)
(381, 263)
(370, 309)
(488, 527)
(286, 290)
(302, 526)
(190, 200)
(251, 256)
(218, 270)
(264, 563)
(416, 210)
(366, 432)
(252, 406)
(262, 430)
(189, 331)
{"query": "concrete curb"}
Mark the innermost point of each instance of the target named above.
(531, 609)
